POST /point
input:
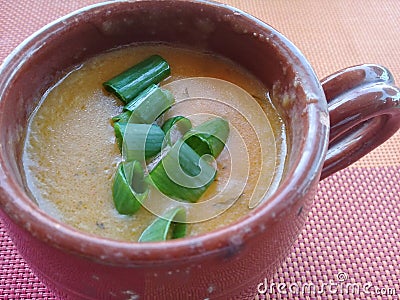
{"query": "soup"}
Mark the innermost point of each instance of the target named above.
(70, 154)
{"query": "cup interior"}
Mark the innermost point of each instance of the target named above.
(46, 56)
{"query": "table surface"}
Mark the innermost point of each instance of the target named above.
(353, 231)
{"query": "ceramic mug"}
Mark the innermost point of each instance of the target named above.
(330, 125)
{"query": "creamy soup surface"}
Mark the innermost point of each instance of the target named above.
(70, 154)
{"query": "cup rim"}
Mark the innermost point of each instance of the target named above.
(21, 209)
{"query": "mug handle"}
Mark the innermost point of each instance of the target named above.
(364, 111)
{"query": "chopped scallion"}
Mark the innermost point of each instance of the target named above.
(208, 137)
(141, 141)
(149, 105)
(160, 229)
(130, 83)
(182, 174)
(182, 170)
(129, 187)
(175, 127)
(122, 117)
(119, 131)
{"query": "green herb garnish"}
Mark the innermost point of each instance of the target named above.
(182, 174)
(149, 105)
(141, 141)
(130, 83)
(172, 223)
(208, 137)
(175, 127)
(129, 187)
(182, 170)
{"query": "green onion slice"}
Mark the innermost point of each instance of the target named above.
(129, 187)
(127, 85)
(182, 174)
(119, 131)
(149, 105)
(140, 141)
(122, 117)
(170, 225)
(209, 137)
(175, 127)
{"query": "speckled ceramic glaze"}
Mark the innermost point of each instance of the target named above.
(362, 111)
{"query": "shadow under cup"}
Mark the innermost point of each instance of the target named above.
(226, 263)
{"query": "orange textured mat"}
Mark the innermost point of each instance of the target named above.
(353, 231)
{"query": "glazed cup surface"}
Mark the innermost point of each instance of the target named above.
(226, 263)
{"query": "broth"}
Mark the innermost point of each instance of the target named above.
(70, 153)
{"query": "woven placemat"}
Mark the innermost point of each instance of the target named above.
(349, 248)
